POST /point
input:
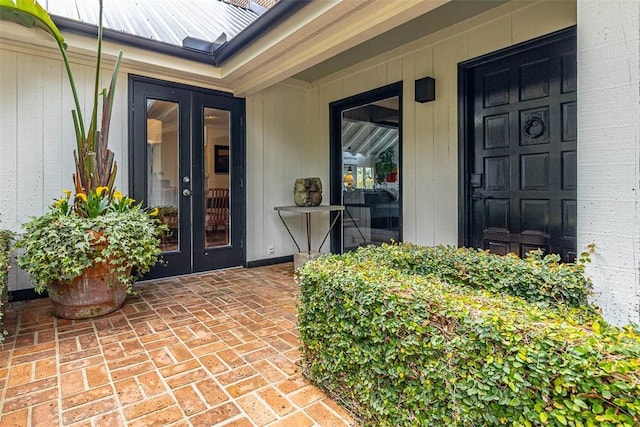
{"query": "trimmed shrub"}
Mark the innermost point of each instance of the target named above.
(407, 349)
(534, 278)
(5, 253)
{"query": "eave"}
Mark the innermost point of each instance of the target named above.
(319, 31)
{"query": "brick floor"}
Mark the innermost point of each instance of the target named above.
(211, 349)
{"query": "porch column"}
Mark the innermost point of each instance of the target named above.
(609, 152)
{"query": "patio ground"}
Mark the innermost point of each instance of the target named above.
(211, 349)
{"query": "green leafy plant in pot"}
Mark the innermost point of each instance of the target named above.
(91, 245)
(6, 238)
(385, 164)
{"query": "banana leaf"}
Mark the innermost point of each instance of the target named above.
(94, 162)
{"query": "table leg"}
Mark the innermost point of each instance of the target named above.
(290, 234)
(308, 214)
(333, 223)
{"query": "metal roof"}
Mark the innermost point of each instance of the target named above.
(162, 20)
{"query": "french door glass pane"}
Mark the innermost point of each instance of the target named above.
(217, 196)
(162, 168)
(371, 159)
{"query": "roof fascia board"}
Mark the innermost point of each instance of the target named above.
(268, 20)
(150, 63)
(82, 50)
(313, 19)
(72, 26)
(292, 48)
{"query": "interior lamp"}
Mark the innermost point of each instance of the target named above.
(348, 179)
(154, 131)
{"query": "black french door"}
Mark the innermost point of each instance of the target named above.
(187, 160)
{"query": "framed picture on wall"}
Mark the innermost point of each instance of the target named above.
(221, 159)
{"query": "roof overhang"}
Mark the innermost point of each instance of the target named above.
(299, 38)
(319, 31)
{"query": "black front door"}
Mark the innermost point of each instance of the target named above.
(187, 160)
(520, 169)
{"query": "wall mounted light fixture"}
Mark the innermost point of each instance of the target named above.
(425, 89)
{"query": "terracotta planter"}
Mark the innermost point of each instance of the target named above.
(94, 293)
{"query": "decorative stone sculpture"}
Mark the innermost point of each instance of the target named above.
(307, 191)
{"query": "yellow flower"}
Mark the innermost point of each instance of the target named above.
(101, 190)
(82, 196)
(117, 195)
(67, 193)
(59, 202)
(154, 212)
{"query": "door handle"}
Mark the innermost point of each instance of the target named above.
(186, 192)
(478, 195)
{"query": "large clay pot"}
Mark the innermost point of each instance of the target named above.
(94, 293)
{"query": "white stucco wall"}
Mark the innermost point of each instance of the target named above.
(609, 152)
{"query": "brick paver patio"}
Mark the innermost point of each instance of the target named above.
(213, 349)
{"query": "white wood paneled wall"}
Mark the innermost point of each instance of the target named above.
(37, 135)
(278, 152)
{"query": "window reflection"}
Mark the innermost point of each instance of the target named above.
(370, 157)
(162, 168)
(217, 219)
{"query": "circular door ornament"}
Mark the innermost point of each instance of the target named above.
(534, 126)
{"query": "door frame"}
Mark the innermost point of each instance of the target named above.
(335, 149)
(466, 124)
(137, 182)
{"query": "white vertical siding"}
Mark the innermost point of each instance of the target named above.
(609, 152)
(9, 133)
(52, 151)
(30, 135)
(422, 178)
(410, 165)
(37, 134)
(277, 154)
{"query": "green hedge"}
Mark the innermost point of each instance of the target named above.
(5, 253)
(400, 348)
(535, 278)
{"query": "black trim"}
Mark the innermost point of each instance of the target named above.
(269, 261)
(26, 294)
(268, 20)
(465, 126)
(84, 29)
(335, 148)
